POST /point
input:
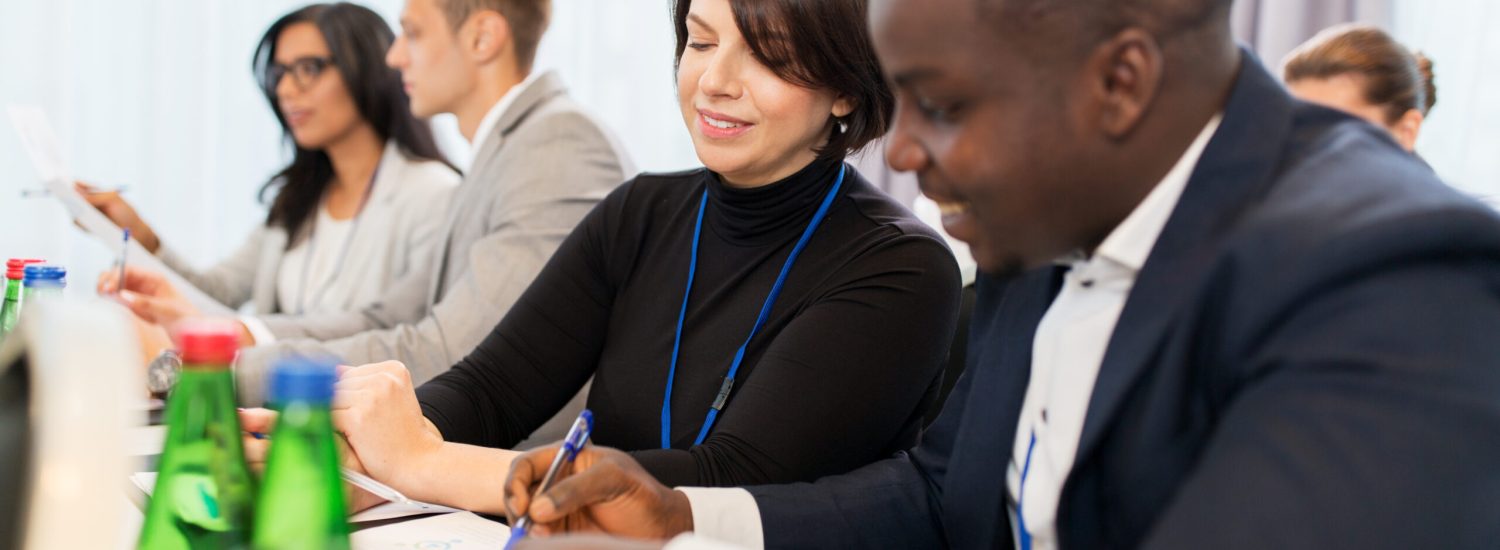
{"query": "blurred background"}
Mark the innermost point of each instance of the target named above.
(158, 95)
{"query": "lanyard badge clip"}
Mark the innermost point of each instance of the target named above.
(723, 393)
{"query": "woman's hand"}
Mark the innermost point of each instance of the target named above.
(375, 407)
(258, 424)
(148, 294)
(117, 210)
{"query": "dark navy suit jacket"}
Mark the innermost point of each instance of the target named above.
(1309, 358)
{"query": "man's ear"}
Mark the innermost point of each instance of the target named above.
(1126, 75)
(485, 35)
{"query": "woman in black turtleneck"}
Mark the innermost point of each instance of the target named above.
(837, 376)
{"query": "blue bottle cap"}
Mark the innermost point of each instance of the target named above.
(52, 275)
(305, 379)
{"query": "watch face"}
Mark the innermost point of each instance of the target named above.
(160, 377)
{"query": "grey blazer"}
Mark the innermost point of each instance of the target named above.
(397, 228)
(547, 164)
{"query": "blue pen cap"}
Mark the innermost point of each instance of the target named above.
(305, 379)
(44, 275)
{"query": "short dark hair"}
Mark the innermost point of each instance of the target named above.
(357, 41)
(1160, 16)
(1392, 77)
(527, 19)
(1093, 20)
(818, 44)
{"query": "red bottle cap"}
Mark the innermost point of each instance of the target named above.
(14, 267)
(208, 342)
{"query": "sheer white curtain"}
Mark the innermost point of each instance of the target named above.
(159, 96)
(1274, 27)
(616, 57)
(1461, 138)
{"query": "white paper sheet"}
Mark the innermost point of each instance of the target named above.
(392, 510)
(460, 531)
(146, 482)
(145, 441)
(41, 145)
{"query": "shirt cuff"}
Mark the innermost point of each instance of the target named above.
(693, 541)
(727, 515)
(258, 330)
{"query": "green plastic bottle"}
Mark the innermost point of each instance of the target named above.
(204, 495)
(301, 504)
(10, 311)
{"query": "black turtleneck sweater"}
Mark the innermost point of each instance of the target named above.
(838, 377)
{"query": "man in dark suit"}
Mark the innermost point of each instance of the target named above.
(1215, 317)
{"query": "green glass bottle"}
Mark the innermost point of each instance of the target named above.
(301, 504)
(10, 311)
(204, 495)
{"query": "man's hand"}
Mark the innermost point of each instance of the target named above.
(607, 492)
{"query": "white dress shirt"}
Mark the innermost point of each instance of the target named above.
(1068, 348)
(307, 281)
(492, 117)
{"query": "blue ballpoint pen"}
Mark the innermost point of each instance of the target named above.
(578, 435)
(124, 246)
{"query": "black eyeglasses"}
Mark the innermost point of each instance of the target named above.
(305, 71)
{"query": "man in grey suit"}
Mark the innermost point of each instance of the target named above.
(541, 163)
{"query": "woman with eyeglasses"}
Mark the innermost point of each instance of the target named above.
(361, 201)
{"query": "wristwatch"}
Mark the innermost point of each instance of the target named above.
(161, 374)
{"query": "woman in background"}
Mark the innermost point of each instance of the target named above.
(1363, 71)
(361, 202)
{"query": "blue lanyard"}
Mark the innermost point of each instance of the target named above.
(1022, 535)
(765, 311)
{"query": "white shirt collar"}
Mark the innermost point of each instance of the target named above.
(1130, 243)
(491, 118)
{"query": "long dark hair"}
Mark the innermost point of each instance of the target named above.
(357, 41)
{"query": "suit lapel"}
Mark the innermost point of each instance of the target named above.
(1235, 169)
(1001, 369)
